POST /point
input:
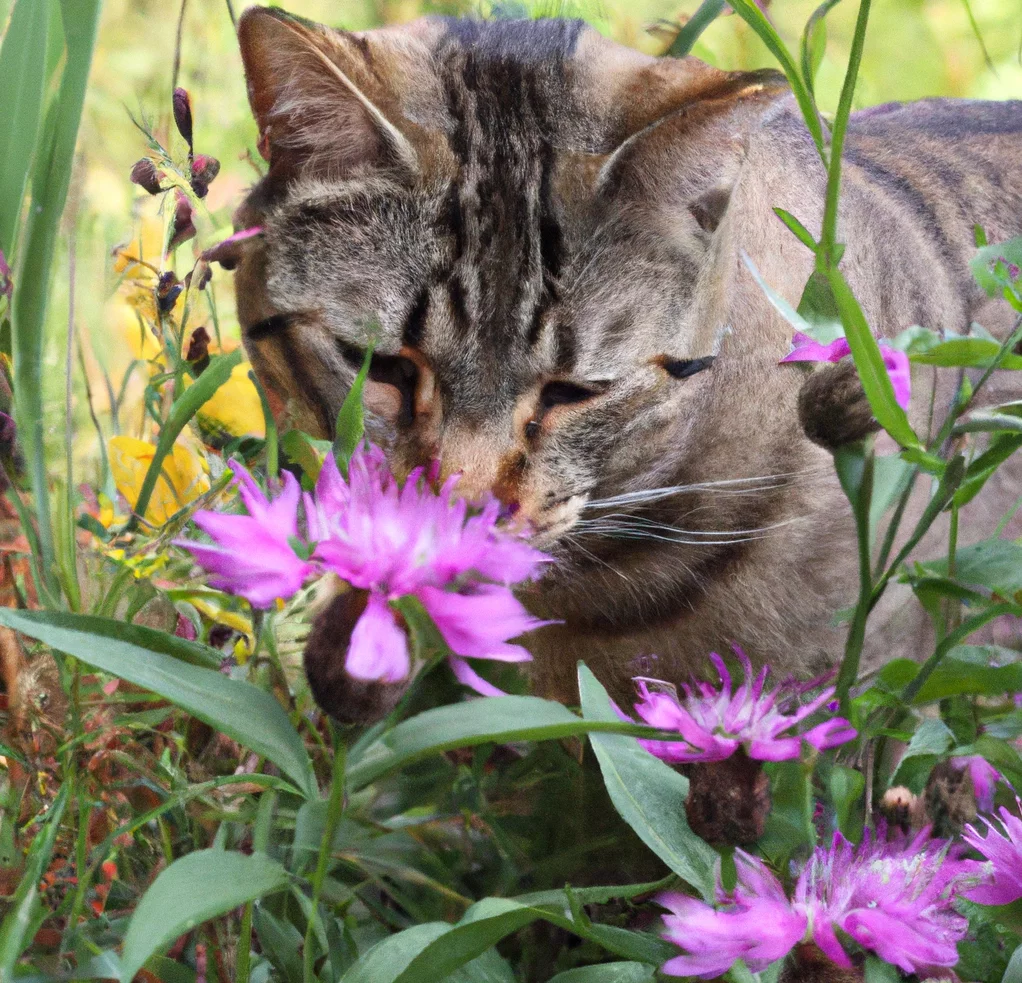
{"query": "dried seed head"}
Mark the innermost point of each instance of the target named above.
(203, 170)
(728, 801)
(345, 698)
(949, 800)
(146, 175)
(183, 115)
(184, 222)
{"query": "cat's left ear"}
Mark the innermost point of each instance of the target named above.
(318, 99)
(691, 153)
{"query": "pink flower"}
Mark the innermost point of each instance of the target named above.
(896, 362)
(715, 722)
(253, 555)
(755, 924)
(394, 540)
(391, 540)
(984, 778)
(1003, 852)
(894, 899)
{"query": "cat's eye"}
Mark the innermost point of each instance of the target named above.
(682, 368)
(389, 370)
(560, 393)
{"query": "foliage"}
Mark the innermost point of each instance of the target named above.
(174, 807)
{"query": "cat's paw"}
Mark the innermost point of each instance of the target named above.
(833, 408)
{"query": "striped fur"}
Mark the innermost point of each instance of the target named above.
(543, 232)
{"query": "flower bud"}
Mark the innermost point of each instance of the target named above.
(6, 278)
(728, 801)
(184, 224)
(203, 169)
(168, 289)
(183, 115)
(146, 176)
(198, 349)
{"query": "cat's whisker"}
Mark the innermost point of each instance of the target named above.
(734, 486)
(575, 544)
(633, 527)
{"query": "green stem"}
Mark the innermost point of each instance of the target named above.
(334, 811)
(243, 962)
(828, 237)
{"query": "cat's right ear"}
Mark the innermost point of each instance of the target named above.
(317, 101)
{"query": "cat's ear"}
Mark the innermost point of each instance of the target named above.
(316, 99)
(689, 149)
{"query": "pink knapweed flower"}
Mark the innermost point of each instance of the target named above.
(984, 778)
(1003, 852)
(390, 540)
(253, 555)
(804, 349)
(715, 722)
(394, 540)
(893, 899)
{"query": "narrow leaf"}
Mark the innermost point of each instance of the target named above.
(242, 711)
(350, 425)
(705, 15)
(192, 890)
(649, 795)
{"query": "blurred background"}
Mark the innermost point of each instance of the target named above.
(915, 48)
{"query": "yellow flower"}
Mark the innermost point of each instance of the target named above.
(234, 409)
(184, 477)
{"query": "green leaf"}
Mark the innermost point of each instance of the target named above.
(814, 41)
(1013, 974)
(305, 451)
(797, 228)
(649, 795)
(22, 82)
(607, 973)
(192, 890)
(932, 739)
(993, 563)
(982, 468)
(983, 264)
(707, 12)
(141, 656)
(967, 670)
(350, 426)
(181, 412)
(495, 719)
(818, 306)
(876, 383)
(793, 317)
(877, 971)
(492, 919)
(789, 823)
(15, 930)
(387, 959)
(846, 788)
(972, 353)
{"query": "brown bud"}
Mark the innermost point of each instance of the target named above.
(728, 801)
(184, 222)
(949, 800)
(198, 349)
(203, 170)
(346, 699)
(168, 288)
(146, 175)
(183, 115)
(833, 408)
(899, 807)
(807, 964)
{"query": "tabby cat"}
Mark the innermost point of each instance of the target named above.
(547, 232)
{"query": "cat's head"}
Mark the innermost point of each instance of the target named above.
(517, 214)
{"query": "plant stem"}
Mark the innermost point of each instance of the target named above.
(828, 236)
(334, 811)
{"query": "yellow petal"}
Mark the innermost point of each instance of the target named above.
(234, 410)
(185, 475)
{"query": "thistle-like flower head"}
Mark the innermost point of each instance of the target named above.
(893, 899)
(1003, 853)
(715, 721)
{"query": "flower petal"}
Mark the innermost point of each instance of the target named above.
(807, 350)
(379, 648)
